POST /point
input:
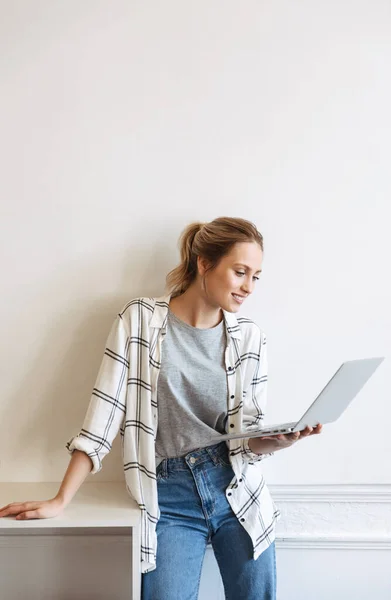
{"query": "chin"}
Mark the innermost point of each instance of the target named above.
(235, 309)
(231, 306)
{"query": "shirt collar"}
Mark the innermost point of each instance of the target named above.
(160, 311)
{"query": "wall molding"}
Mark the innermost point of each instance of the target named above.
(326, 516)
(334, 542)
(367, 493)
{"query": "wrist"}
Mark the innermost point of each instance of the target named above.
(59, 501)
(254, 446)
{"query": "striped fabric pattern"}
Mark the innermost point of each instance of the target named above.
(124, 400)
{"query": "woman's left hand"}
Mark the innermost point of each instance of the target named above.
(272, 443)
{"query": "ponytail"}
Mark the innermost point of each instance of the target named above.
(180, 278)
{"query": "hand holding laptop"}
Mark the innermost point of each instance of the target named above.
(335, 397)
(272, 443)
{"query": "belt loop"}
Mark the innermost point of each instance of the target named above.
(214, 453)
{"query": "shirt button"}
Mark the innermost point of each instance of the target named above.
(232, 397)
(192, 460)
(242, 520)
(240, 479)
(232, 425)
(229, 494)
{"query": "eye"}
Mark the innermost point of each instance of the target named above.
(256, 278)
(240, 273)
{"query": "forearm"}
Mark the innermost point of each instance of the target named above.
(79, 467)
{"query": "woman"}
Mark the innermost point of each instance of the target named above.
(176, 370)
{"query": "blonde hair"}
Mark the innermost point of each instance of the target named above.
(212, 241)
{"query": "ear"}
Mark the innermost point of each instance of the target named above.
(202, 265)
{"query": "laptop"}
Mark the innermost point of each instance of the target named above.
(335, 397)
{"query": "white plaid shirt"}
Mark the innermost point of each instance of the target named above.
(125, 399)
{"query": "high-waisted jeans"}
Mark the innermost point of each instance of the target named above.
(193, 512)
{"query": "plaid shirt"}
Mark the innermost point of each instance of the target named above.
(125, 399)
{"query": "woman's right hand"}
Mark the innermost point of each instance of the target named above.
(43, 509)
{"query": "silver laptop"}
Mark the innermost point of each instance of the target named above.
(327, 407)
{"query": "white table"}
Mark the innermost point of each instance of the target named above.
(96, 508)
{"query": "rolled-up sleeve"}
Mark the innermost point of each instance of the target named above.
(106, 410)
(255, 402)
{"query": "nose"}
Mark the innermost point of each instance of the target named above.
(247, 286)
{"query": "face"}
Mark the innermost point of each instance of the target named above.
(234, 279)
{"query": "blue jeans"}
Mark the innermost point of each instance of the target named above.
(193, 512)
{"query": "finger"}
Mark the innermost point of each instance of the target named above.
(30, 514)
(306, 431)
(11, 509)
(17, 508)
(293, 437)
(317, 429)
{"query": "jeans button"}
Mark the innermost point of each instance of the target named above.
(192, 460)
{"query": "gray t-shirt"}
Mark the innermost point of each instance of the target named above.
(192, 393)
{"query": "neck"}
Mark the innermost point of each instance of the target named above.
(193, 308)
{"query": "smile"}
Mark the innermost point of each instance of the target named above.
(239, 299)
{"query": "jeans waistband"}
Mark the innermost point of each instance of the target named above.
(216, 453)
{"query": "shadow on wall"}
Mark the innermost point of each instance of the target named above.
(51, 399)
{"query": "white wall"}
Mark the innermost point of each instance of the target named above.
(121, 122)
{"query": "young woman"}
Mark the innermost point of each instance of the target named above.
(177, 370)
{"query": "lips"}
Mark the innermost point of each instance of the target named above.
(238, 299)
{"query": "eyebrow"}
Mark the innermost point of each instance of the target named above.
(247, 267)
